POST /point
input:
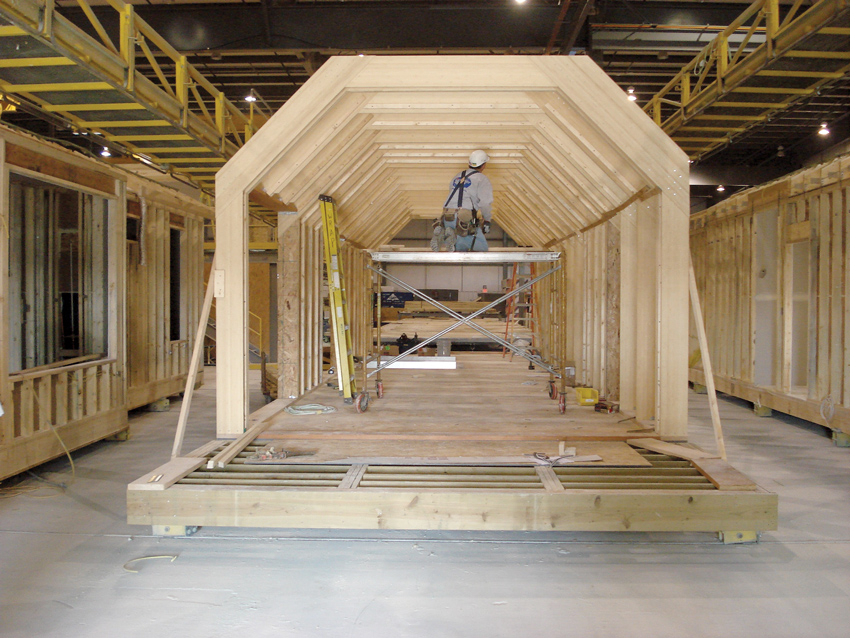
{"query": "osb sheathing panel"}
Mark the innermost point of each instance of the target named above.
(383, 136)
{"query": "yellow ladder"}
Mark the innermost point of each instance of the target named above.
(340, 325)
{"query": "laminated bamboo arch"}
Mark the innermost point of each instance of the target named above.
(569, 155)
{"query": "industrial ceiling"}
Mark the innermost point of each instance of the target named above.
(269, 48)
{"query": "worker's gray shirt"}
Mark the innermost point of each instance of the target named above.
(477, 193)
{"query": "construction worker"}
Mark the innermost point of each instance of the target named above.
(467, 211)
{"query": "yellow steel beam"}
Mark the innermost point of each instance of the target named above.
(699, 139)
(118, 70)
(765, 90)
(196, 160)
(169, 149)
(68, 108)
(835, 31)
(6, 31)
(125, 123)
(751, 118)
(148, 138)
(98, 27)
(26, 62)
(824, 55)
(59, 86)
(801, 74)
(780, 41)
(721, 129)
(750, 105)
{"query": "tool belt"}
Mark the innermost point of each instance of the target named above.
(466, 220)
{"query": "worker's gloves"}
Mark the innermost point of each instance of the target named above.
(485, 227)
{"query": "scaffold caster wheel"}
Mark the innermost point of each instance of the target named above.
(379, 389)
(361, 402)
(562, 403)
(553, 391)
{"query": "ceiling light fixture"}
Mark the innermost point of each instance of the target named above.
(823, 130)
(105, 152)
(721, 189)
(251, 97)
(780, 151)
(631, 92)
(520, 1)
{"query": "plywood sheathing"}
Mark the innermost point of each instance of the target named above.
(383, 135)
(772, 266)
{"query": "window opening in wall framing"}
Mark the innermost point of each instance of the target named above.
(175, 278)
(58, 279)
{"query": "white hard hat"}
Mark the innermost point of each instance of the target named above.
(478, 158)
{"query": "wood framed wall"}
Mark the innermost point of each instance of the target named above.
(157, 361)
(301, 305)
(84, 400)
(773, 272)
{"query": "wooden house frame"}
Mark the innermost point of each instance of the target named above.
(573, 163)
(52, 399)
(577, 170)
(773, 269)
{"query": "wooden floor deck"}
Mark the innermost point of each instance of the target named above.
(453, 449)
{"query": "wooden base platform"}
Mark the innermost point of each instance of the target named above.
(454, 450)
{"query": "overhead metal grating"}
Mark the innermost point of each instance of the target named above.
(729, 92)
(177, 122)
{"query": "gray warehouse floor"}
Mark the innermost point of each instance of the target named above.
(63, 558)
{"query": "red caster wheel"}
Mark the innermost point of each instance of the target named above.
(553, 391)
(379, 389)
(562, 403)
(361, 402)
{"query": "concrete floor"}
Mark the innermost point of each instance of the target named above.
(63, 557)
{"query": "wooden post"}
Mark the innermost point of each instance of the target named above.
(5, 390)
(231, 310)
(673, 257)
(706, 362)
(289, 310)
(197, 350)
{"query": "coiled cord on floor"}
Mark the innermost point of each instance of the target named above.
(309, 408)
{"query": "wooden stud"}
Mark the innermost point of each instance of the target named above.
(706, 362)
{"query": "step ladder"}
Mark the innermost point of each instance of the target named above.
(514, 309)
(340, 325)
